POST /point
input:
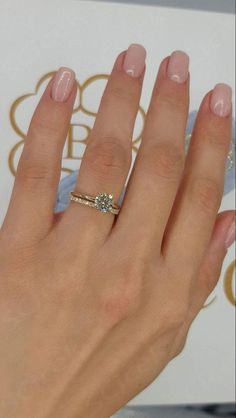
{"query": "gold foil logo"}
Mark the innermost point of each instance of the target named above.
(229, 283)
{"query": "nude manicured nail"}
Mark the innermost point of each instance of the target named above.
(231, 235)
(221, 100)
(178, 66)
(62, 84)
(134, 61)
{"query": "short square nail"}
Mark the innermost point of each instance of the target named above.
(221, 99)
(178, 66)
(134, 61)
(230, 236)
(62, 84)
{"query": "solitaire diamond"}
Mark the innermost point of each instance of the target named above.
(103, 202)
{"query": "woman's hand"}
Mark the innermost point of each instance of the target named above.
(93, 307)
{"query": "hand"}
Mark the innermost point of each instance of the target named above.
(94, 306)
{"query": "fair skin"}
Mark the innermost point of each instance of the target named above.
(94, 306)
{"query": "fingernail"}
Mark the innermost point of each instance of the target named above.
(134, 61)
(221, 99)
(230, 236)
(178, 66)
(62, 84)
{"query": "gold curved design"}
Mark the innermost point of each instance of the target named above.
(228, 283)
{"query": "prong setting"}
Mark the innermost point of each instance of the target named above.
(103, 202)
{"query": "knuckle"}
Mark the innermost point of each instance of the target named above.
(206, 194)
(173, 319)
(43, 127)
(118, 304)
(216, 136)
(30, 173)
(172, 101)
(180, 347)
(115, 307)
(208, 278)
(164, 160)
(124, 95)
(219, 140)
(205, 280)
(107, 154)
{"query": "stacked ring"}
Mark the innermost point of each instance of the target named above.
(102, 202)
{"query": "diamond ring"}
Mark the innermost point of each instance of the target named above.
(102, 202)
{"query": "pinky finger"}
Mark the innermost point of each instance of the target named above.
(222, 238)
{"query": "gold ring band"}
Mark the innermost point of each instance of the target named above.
(102, 202)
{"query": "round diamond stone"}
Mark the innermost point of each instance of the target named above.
(103, 202)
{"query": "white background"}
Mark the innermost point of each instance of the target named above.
(39, 37)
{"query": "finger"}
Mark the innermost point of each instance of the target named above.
(201, 191)
(33, 198)
(223, 236)
(107, 158)
(159, 164)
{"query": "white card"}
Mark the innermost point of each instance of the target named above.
(38, 37)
